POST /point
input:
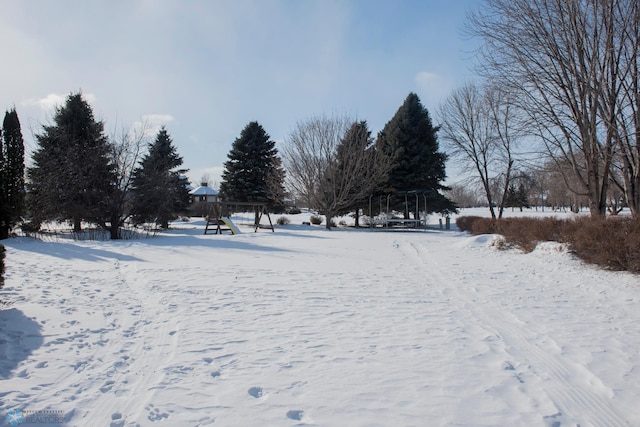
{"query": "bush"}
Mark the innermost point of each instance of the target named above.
(2, 253)
(465, 223)
(293, 211)
(283, 220)
(612, 243)
(315, 220)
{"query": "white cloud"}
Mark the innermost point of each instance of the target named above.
(432, 88)
(53, 100)
(150, 124)
(427, 79)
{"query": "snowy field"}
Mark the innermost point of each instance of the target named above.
(312, 327)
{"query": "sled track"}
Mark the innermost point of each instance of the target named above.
(564, 380)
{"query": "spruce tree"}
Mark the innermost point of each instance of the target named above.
(72, 176)
(4, 206)
(12, 171)
(253, 171)
(411, 140)
(159, 189)
(2, 254)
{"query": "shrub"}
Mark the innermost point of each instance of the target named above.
(464, 223)
(484, 226)
(612, 243)
(315, 219)
(283, 220)
(293, 211)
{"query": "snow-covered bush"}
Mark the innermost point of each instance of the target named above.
(283, 220)
(315, 219)
(612, 243)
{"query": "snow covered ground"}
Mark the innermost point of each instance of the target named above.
(312, 327)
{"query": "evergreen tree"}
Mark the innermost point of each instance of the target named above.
(411, 140)
(517, 198)
(159, 189)
(12, 171)
(72, 176)
(4, 206)
(511, 200)
(253, 172)
(2, 254)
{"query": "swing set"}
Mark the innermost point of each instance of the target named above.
(219, 216)
(385, 217)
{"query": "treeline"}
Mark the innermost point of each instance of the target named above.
(332, 164)
(78, 174)
(558, 97)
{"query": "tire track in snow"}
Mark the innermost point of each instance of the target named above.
(574, 398)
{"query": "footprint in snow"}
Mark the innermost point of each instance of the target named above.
(295, 415)
(256, 392)
(116, 420)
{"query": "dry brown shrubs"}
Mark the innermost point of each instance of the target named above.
(612, 243)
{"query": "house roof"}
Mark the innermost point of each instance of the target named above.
(203, 191)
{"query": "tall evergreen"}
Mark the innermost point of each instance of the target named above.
(12, 170)
(72, 175)
(411, 140)
(159, 188)
(2, 255)
(253, 172)
(4, 206)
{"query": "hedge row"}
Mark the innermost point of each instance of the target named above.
(612, 242)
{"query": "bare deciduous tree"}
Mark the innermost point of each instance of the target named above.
(331, 162)
(126, 149)
(569, 63)
(478, 124)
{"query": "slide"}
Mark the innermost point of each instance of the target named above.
(227, 221)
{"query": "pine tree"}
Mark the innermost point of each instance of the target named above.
(2, 254)
(159, 189)
(511, 199)
(411, 140)
(4, 206)
(12, 171)
(253, 172)
(72, 176)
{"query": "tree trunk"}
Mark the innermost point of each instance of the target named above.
(77, 225)
(327, 218)
(114, 229)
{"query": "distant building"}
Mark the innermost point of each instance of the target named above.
(203, 193)
(200, 198)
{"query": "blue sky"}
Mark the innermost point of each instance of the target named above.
(206, 68)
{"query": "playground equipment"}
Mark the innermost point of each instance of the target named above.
(219, 217)
(386, 219)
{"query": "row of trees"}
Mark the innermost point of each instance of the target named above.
(560, 73)
(81, 175)
(335, 165)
